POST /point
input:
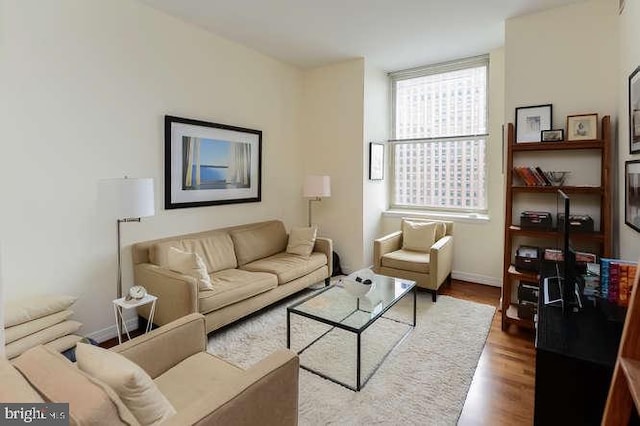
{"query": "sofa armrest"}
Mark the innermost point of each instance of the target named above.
(440, 260)
(164, 347)
(177, 293)
(325, 245)
(384, 245)
(267, 394)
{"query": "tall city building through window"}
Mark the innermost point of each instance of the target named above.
(440, 136)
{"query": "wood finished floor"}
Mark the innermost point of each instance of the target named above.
(502, 391)
(503, 385)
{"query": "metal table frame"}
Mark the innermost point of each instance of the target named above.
(358, 331)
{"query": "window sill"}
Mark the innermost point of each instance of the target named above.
(456, 217)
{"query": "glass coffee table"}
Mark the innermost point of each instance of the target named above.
(353, 307)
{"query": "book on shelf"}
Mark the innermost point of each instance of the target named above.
(616, 280)
(532, 176)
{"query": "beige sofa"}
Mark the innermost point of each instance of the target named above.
(202, 388)
(428, 269)
(248, 266)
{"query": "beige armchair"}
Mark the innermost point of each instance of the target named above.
(427, 262)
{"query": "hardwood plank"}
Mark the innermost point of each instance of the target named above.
(503, 386)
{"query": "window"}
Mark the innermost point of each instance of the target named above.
(440, 136)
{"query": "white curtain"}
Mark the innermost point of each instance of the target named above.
(239, 171)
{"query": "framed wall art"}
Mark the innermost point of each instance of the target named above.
(634, 111)
(582, 127)
(553, 135)
(210, 163)
(376, 161)
(632, 194)
(531, 121)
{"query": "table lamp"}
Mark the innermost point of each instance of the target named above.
(315, 188)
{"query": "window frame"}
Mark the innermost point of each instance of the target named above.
(450, 66)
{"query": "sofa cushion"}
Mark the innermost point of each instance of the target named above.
(132, 384)
(23, 310)
(215, 249)
(191, 264)
(287, 267)
(418, 236)
(259, 241)
(58, 380)
(14, 387)
(11, 334)
(233, 285)
(407, 260)
(197, 375)
(301, 241)
(47, 335)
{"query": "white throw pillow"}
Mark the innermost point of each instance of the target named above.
(302, 240)
(189, 264)
(132, 384)
(418, 236)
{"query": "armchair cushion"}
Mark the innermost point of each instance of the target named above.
(132, 384)
(407, 260)
(418, 236)
(196, 376)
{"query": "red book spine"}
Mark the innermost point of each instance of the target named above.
(614, 281)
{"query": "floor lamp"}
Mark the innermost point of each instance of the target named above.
(129, 200)
(315, 188)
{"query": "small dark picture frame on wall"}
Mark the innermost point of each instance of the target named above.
(553, 135)
(634, 111)
(632, 194)
(208, 163)
(376, 161)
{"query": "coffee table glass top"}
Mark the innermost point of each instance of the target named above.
(346, 305)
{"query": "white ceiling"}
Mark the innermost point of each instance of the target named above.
(390, 34)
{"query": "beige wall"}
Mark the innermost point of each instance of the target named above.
(478, 243)
(85, 86)
(376, 129)
(331, 137)
(629, 60)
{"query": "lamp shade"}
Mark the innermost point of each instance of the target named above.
(317, 186)
(128, 198)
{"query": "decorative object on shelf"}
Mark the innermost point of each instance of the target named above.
(632, 194)
(536, 220)
(552, 135)
(531, 121)
(582, 127)
(210, 163)
(315, 188)
(557, 178)
(376, 161)
(128, 200)
(634, 111)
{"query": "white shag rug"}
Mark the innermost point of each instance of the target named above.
(424, 380)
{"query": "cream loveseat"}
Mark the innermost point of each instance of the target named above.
(427, 262)
(248, 265)
(201, 388)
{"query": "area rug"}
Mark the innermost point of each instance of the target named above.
(423, 381)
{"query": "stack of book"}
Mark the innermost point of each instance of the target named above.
(616, 280)
(532, 176)
(592, 281)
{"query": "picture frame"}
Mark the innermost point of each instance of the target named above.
(556, 135)
(632, 194)
(582, 127)
(209, 163)
(634, 111)
(376, 161)
(531, 121)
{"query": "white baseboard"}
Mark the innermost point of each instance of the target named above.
(111, 332)
(477, 278)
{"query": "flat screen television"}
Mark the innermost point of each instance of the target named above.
(563, 289)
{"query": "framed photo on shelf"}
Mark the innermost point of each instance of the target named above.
(582, 127)
(376, 161)
(634, 111)
(210, 163)
(553, 135)
(531, 121)
(632, 194)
